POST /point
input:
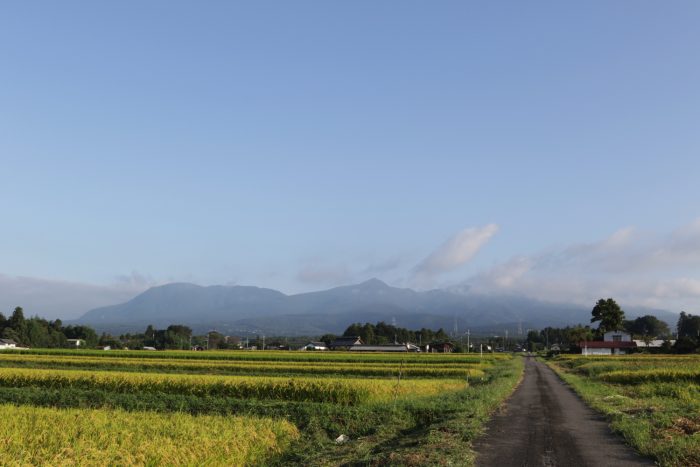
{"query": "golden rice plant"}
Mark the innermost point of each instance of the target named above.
(58, 437)
(347, 391)
(232, 367)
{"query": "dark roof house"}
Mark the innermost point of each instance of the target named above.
(441, 347)
(346, 342)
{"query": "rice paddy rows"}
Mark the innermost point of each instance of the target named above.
(347, 391)
(278, 356)
(147, 407)
(455, 369)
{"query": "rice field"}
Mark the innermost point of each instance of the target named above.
(70, 407)
(652, 400)
(52, 437)
(318, 368)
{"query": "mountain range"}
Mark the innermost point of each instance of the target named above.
(247, 310)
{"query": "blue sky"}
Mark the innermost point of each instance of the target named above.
(302, 145)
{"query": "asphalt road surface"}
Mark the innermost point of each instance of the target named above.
(545, 424)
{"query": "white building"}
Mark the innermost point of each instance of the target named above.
(654, 344)
(315, 346)
(614, 343)
(7, 344)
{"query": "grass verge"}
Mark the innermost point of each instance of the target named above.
(660, 420)
(414, 432)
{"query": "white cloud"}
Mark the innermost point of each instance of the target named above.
(453, 253)
(640, 268)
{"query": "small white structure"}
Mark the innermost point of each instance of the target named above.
(75, 343)
(385, 348)
(315, 346)
(7, 344)
(654, 344)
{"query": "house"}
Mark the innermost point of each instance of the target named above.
(7, 344)
(345, 342)
(606, 348)
(617, 336)
(385, 348)
(440, 347)
(315, 346)
(614, 343)
(104, 347)
(75, 343)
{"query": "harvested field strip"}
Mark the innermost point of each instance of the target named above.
(242, 367)
(651, 376)
(596, 366)
(45, 436)
(339, 391)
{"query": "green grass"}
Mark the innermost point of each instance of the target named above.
(657, 413)
(430, 431)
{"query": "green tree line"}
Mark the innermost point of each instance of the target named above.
(383, 333)
(39, 332)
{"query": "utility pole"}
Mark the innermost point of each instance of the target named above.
(468, 334)
(263, 342)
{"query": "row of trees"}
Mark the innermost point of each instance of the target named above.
(38, 332)
(176, 337)
(383, 333)
(610, 317)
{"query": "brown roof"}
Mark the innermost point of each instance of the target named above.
(607, 345)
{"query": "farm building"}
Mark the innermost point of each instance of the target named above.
(385, 348)
(440, 347)
(653, 344)
(7, 344)
(315, 346)
(345, 342)
(606, 348)
(614, 343)
(75, 343)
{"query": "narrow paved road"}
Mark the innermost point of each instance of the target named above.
(545, 424)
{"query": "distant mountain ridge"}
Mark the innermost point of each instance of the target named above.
(241, 310)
